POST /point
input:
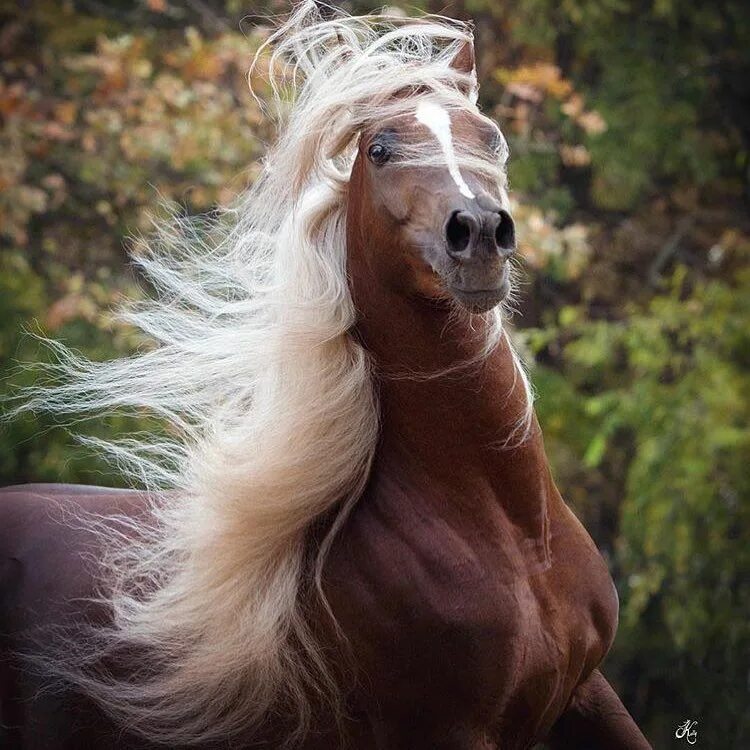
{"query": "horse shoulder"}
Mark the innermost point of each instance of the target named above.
(427, 620)
(442, 616)
(585, 583)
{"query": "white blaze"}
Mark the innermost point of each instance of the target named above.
(436, 119)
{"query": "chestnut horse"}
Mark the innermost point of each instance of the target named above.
(439, 586)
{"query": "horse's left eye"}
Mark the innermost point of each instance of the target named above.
(378, 153)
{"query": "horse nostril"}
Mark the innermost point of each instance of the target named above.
(505, 233)
(458, 231)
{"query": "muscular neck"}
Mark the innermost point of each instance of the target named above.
(446, 427)
(434, 382)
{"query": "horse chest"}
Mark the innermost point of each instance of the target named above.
(472, 629)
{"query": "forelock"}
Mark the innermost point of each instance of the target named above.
(333, 77)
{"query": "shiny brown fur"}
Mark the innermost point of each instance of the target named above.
(474, 609)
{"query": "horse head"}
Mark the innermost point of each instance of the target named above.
(428, 212)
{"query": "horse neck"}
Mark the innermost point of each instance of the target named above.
(450, 435)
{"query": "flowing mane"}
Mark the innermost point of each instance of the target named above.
(272, 413)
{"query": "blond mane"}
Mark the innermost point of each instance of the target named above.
(273, 421)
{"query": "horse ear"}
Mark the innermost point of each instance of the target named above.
(464, 61)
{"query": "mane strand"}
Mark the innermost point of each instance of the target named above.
(273, 420)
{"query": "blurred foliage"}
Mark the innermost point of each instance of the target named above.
(659, 401)
(98, 126)
(629, 126)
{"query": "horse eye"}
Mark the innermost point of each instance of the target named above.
(378, 153)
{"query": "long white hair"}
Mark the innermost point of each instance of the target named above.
(273, 420)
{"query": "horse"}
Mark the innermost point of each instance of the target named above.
(349, 536)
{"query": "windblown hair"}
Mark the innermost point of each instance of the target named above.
(273, 420)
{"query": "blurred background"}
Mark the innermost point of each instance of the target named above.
(629, 127)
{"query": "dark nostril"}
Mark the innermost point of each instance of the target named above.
(458, 231)
(505, 233)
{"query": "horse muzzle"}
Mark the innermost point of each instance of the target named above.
(479, 241)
